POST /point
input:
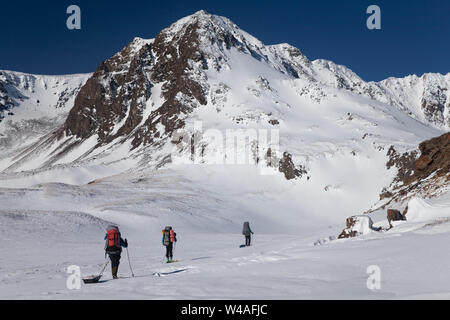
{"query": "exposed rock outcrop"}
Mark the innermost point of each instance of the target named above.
(394, 215)
(6, 102)
(435, 157)
(285, 165)
(118, 86)
(424, 175)
(288, 168)
(112, 102)
(356, 226)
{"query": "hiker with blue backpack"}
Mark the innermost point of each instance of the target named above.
(168, 240)
(113, 247)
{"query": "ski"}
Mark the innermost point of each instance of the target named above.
(92, 279)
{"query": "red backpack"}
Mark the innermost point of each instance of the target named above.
(112, 237)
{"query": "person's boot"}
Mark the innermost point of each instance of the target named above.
(114, 272)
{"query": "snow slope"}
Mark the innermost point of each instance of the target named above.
(32, 106)
(293, 257)
(424, 98)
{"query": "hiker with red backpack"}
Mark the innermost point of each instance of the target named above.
(113, 247)
(168, 240)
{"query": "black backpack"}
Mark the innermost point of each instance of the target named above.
(246, 230)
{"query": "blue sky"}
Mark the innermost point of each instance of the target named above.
(415, 35)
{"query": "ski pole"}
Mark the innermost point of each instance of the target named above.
(103, 270)
(128, 255)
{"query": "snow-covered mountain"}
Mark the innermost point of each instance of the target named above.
(144, 93)
(424, 98)
(427, 97)
(32, 105)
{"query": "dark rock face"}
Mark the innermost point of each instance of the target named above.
(394, 215)
(288, 167)
(173, 69)
(284, 165)
(424, 173)
(106, 96)
(435, 157)
(121, 86)
(423, 162)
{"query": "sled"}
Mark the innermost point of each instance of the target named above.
(95, 279)
(92, 279)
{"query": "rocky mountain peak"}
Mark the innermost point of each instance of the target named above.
(113, 101)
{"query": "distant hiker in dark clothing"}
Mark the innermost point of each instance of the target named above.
(247, 232)
(113, 247)
(168, 239)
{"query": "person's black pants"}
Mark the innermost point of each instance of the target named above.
(247, 240)
(115, 260)
(169, 251)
